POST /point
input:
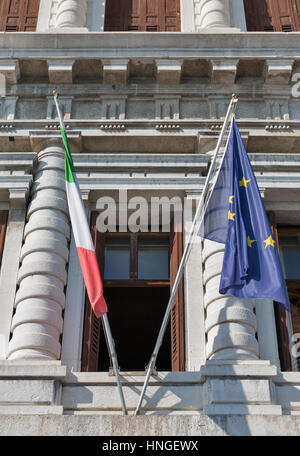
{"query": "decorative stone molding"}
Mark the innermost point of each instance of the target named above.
(60, 71)
(167, 107)
(113, 108)
(55, 127)
(277, 127)
(65, 106)
(71, 14)
(37, 323)
(216, 126)
(11, 70)
(277, 108)
(8, 110)
(167, 127)
(224, 71)
(217, 107)
(230, 322)
(18, 196)
(279, 71)
(114, 127)
(168, 71)
(115, 72)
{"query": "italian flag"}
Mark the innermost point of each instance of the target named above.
(83, 240)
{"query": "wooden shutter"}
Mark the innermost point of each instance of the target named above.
(293, 287)
(142, 15)
(3, 224)
(281, 317)
(283, 15)
(272, 15)
(170, 16)
(296, 11)
(177, 311)
(30, 15)
(116, 15)
(258, 15)
(92, 324)
(19, 15)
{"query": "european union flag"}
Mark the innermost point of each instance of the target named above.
(235, 216)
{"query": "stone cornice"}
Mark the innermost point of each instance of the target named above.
(98, 162)
(202, 44)
(104, 171)
(40, 139)
(189, 136)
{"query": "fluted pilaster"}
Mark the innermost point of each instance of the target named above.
(71, 14)
(213, 13)
(37, 322)
(230, 322)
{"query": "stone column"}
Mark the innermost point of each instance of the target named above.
(37, 322)
(230, 322)
(71, 14)
(214, 13)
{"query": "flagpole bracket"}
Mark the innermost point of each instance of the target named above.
(153, 370)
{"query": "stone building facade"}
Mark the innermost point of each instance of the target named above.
(143, 99)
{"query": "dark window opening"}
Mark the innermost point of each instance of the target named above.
(142, 16)
(288, 244)
(135, 316)
(138, 271)
(272, 15)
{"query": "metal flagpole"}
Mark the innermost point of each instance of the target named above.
(109, 339)
(186, 252)
(111, 346)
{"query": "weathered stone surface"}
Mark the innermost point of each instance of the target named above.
(99, 425)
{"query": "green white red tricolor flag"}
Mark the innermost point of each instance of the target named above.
(83, 239)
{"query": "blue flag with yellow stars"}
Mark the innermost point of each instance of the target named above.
(235, 216)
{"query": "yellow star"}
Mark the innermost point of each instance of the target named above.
(250, 242)
(270, 241)
(231, 199)
(231, 216)
(244, 182)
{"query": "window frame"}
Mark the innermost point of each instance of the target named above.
(92, 326)
(134, 281)
(293, 285)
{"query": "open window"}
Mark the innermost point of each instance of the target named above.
(138, 271)
(288, 243)
(19, 15)
(272, 15)
(142, 15)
